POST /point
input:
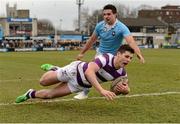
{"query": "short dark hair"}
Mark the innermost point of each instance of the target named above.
(111, 7)
(124, 48)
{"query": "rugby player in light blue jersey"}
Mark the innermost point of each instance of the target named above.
(79, 75)
(111, 33)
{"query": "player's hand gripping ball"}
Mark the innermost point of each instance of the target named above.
(120, 86)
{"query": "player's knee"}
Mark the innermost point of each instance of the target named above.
(43, 82)
(46, 78)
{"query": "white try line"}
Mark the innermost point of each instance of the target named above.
(71, 99)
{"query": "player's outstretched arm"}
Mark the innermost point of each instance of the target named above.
(87, 46)
(91, 76)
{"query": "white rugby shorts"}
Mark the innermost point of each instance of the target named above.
(68, 74)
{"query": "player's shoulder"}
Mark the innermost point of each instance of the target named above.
(105, 56)
(101, 23)
(108, 56)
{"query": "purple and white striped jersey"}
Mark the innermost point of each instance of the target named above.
(107, 70)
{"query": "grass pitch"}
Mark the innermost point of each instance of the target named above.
(20, 71)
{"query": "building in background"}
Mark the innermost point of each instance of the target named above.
(166, 29)
(147, 31)
(17, 24)
(168, 14)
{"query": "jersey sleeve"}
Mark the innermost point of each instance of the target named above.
(101, 60)
(98, 27)
(96, 30)
(125, 31)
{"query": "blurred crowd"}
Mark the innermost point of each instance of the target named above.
(65, 44)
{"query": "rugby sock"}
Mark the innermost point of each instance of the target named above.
(54, 68)
(31, 94)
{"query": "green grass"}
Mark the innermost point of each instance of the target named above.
(20, 71)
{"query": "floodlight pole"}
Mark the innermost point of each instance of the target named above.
(79, 3)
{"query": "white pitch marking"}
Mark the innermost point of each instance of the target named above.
(71, 99)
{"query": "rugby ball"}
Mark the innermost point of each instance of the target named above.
(120, 81)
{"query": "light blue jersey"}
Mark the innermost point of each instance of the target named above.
(111, 38)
